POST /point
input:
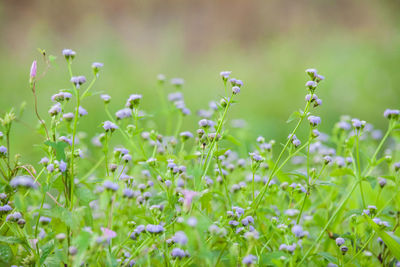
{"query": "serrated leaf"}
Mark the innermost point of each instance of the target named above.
(59, 148)
(233, 140)
(342, 172)
(293, 116)
(47, 249)
(205, 201)
(84, 195)
(6, 254)
(392, 245)
(328, 257)
(11, 240)
(372, 181)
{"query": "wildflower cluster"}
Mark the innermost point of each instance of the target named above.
(138, 194)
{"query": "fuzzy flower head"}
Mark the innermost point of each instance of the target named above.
(106, 98)
(78, 80)
(249, 260)
(235, 90)
(69, 54)
(82, 112)
(23, 181)
(178, 82)
(314, 120)
(109, 126)
(55, 109)
(3, 151)
(186, 135)
(391, 114)
(96, 66)
(358, 124)
(225, 75)
(133, 101)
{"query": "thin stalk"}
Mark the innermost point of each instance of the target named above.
(210, 152)
(332, 217)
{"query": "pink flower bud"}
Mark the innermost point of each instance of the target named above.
(33, 69)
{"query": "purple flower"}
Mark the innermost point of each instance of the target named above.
(62, 166)
(391, 113)
(344, 125)
(154, 228)
(249, 259)
(44, 161)
(108, 234)
(5, 209)
(55, 109)
(110, 185)
(109, 126)
(133, 101)
(96, 66)
(312, 73)
(178, 82)
(186, 135)
(82, 112)
(297, 230)
(128, 193)
(357, 123)
(78, 80)
(23, 181)
(256, 157)
(44, 220)
(188, 196)
(311, 85)
(123, 113)
(314, 120)
(50, 168)
(106, 98)
(68, 54)
(396, 166)
(339, 241)
(65, 139)
(235, 90)
(126, 157)
(33, 70)
(173, 97)
(225, 75)
(178, 253)
(68, 116)
(180, 238)
(3, 151)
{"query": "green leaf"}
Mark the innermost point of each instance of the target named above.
(220, 152)
(233, 140)
(84, 195)
(59, 147)
(82, 243)
(205, 201)
(372, 181)
(6, 254)
(328, 257)
(293, 116)
(342, 172)
(393, 246)
(47, 249)
(11, 240)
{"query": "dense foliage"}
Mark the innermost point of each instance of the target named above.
(138, 193)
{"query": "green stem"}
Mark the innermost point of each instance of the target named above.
(210, 152)
(332, 217)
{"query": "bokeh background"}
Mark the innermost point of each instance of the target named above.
(268, 44)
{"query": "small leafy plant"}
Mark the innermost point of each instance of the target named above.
(163, 196)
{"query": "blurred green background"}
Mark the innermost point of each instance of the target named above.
(355, 44)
